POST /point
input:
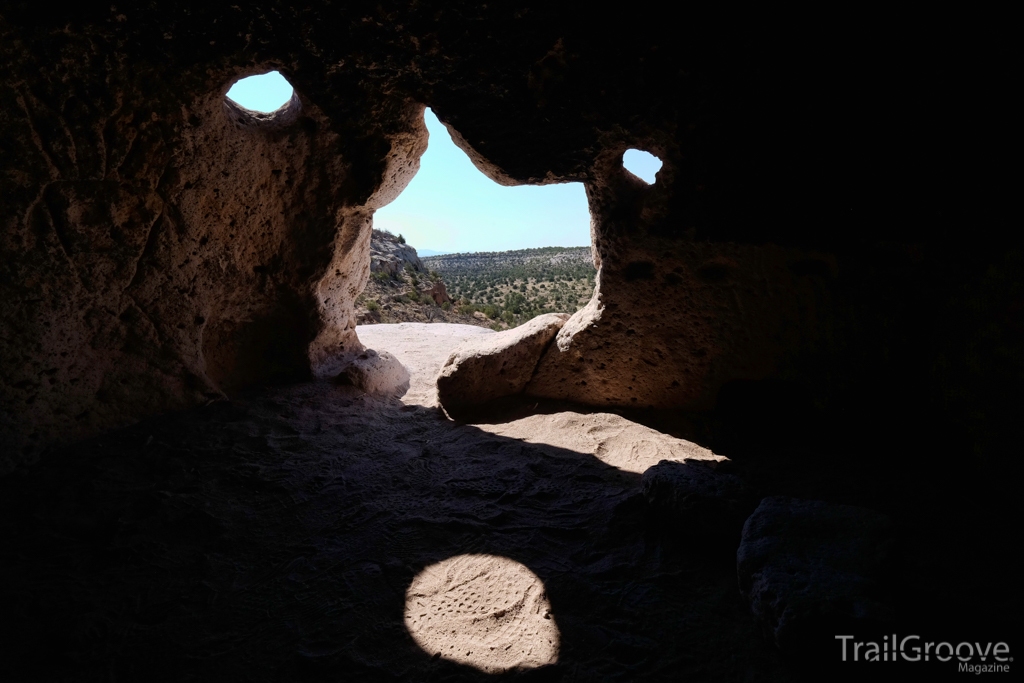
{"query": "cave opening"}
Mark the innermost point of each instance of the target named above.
(797, 284)
(263, 93)
(505, 254)
(451, 206)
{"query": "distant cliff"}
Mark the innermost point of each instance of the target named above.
(536, 260)
(402, 289)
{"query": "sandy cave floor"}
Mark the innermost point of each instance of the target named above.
(308, 532)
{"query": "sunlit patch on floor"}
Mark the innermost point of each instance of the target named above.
(612, 439)
(485, 611)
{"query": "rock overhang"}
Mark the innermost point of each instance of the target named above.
(707, 267)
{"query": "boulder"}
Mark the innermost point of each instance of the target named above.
(376, 373)
(697, 496)
(493, 366)
(809, 567)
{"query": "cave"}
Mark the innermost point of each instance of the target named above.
(207, 472)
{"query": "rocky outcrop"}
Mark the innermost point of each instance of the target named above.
(402, 289)
(390, 254)
(808, 566)
(438, 292)
(486, 368)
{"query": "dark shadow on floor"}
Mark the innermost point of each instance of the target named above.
(273, 537)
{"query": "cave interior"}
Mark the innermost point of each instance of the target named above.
(824, 284)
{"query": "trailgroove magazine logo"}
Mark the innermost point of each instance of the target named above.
(971, 657)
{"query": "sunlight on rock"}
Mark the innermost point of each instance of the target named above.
(610, 438)
(486, 611)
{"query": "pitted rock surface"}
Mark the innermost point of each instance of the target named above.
(489, 367)
(162, 247)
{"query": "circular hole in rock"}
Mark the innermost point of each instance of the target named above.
(265, 93)
(643, 165)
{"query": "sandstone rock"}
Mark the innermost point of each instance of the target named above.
(807, 565)
(697, 496)
(493, 366)
(376, 373)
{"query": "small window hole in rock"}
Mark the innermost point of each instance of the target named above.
(264, 93)
(643, 165)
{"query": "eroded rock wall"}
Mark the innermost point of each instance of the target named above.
(674, 319)
(163, 246)
(824, 215)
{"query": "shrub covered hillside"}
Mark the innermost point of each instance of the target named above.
(402, 289)
(512, 287)
(492, 289)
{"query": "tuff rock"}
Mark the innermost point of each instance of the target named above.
(492, 366)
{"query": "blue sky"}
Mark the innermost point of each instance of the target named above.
(267, 92)
(450, 206)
